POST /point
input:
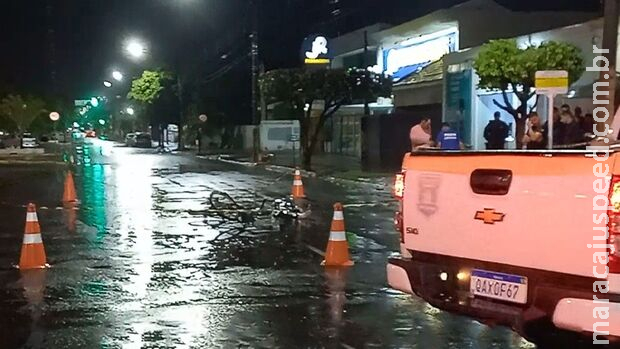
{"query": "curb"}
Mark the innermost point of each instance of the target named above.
(279, 168)
(272, 168)
(32, 162)
(285, 169)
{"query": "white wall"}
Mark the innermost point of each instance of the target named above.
(276, 134)
(483, 113)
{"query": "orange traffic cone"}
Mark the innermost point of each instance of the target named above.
(337, 254)
(33, 252)
(298, 186)
(69, 195)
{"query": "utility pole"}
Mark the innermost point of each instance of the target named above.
(51, 45)
(181, 144)
(608, 77)
(254, 55)
(365, 66)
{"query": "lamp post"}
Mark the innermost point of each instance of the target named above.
(117, 75)
(135, 48)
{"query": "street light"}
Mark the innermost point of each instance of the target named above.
(107, 84)
(130, 111)
(118, 76)
(94, 102)
(135, 48)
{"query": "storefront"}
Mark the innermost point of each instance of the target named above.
(472, 108)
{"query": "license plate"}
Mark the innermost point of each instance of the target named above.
(505, 287)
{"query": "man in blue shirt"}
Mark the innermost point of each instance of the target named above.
(447, 139)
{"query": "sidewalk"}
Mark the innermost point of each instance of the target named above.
(323, 165)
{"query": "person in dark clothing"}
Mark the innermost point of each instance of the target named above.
(496, 132)
(571, 132)
(199, 140)
(565, 108)
(588, 124)
(534, 138)
(579, 117)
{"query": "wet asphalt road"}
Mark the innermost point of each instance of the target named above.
(141, 264)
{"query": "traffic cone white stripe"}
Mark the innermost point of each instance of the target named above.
(338, 236)
(297, 173)
(297, 182)
(338, 216)
(30, 239)
(31, 217)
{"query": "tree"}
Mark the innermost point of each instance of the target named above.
(21, 111)
(301, 88)
(148, 87)
(503, 65)
(155, 90)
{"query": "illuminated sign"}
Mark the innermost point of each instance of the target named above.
(412, 55)
(551, 82)
(315, 50)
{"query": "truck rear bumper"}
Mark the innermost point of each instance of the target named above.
(398, 278)
(577, 315)
(562, 305)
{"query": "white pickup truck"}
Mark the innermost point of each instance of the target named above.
(514, 238)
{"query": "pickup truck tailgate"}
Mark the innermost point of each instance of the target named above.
(533, 210)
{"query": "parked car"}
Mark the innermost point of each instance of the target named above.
(143, 140)
(77, 135)
(29, 141)
(57, 137)
(130, 139)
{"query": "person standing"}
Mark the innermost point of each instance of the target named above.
(534, 138)
(579, 115)
(420, 134)
(588, 124)
(448, 139)
(199, 140)
(496, 132)
(571, 132)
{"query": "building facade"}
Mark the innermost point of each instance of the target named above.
(472, 108)
(413, 53)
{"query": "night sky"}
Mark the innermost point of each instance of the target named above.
(82, 40)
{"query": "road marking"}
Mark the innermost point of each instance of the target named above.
(315, 250)
(369, 204)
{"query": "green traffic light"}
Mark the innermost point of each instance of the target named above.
(94, 102)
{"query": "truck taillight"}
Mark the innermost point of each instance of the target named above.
(614, 225)
(399, 186)
(398, 224)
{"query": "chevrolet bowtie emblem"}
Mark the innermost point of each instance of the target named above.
(489, 216)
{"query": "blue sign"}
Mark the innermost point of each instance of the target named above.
(411, 56)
